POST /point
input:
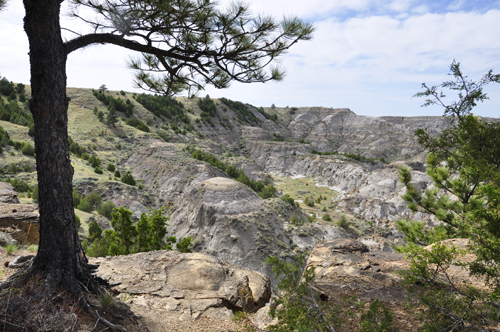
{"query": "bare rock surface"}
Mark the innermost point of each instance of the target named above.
(20, 221)
(187, 286)
(342, 130)
(225, 218)
(347, 267)
(7, 193)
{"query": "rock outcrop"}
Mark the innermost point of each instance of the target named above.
(7, 193)
(226, 218)
(342, 130)
(347, 267)
(187, 285)
(20, 221)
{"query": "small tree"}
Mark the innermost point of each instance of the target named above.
(111, 118)
(302, 309)
(95, 231)
(100, 115)
(76, 197)
(127, 178)
(158, 230)
(464, 164)
(343, 222)
(124, 230)
(94, 199)
(185, 244)
(103, 88)
(105, 209)
(143, 239)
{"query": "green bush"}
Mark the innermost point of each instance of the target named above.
(95, 231)
(241, 110)
(343, 222)
(287, 199)
(11, 248)
(94, 161)
(19, 185)
(34, 194)
(117, 174)
(163, 135)
(75, 148)
(105, 209)
(163, 107)
(378, 318)
(110, 167)
(84, 206)
(76, 197)
(28, 149)
(185, 245)
(326, 217)
(13, 168)
(127, 178)
(94, 199)
(98, 170)
(98, 248)
(78, 221)
(465, 197)
(312, 217)
(309, 201)
(125, 237)
(138, 124)
(298, 306)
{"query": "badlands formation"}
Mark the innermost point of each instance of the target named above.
(350, 159)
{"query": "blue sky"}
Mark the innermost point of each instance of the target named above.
(367, 55)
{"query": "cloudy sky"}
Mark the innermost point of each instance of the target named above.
(367, 55)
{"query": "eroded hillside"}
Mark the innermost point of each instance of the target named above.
(354, 158)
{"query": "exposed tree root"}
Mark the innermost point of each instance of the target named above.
(28, 302)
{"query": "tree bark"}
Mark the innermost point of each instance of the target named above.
(60, 255)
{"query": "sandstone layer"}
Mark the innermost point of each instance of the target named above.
(188, 286)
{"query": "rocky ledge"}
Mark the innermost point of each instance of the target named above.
(187, 286)
(17, 221)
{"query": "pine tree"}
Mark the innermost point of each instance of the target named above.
(111, 118)
(464, 164)
(187, 43)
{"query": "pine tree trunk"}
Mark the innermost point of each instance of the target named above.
(60, 255)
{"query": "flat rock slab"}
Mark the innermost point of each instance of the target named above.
(20, 220)
(347, 267)
(190, 285)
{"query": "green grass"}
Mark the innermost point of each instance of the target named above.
(33, 248)
(301, 188)
(84, 226)
(309, 189)
(11, 249)
(107, 301)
